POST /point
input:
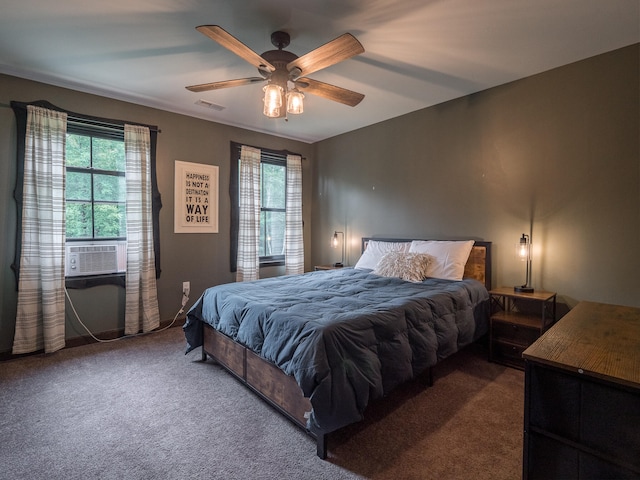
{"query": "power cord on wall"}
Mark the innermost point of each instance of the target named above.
(185, 299)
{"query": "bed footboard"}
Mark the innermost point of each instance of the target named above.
(279, 390)
(269, 382)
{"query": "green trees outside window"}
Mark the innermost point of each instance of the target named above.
(95, 188)
(272, 208)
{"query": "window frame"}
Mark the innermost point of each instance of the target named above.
(276, 157)
(272, 260)
(85, 123)
(72, 129)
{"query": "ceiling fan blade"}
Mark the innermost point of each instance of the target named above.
(226, 84)
(335, 51)
(330, 92)
(228, 41)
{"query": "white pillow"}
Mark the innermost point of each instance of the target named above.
(376, 249)
(449, 257)
(412, 267)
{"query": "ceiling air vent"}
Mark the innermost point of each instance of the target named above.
(213, 106)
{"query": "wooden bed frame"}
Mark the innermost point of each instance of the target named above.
(281, 390)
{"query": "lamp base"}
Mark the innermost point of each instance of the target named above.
(523, 289)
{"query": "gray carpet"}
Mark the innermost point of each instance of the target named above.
(140, 409)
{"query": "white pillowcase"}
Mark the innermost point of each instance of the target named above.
(449, 257)
(375, 251)
(412, 267)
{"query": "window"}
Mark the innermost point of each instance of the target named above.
(95, 202)
(273, 177)
(95, 188)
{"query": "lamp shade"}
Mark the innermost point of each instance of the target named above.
(295, 103)
(523, 248)
(335, 242)
(523, 251)
(272, 100)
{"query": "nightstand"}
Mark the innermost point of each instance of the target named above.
(518, 320)
(326, 267)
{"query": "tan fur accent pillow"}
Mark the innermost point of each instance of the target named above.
(412, 267)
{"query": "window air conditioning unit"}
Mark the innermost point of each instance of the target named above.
(97, 259)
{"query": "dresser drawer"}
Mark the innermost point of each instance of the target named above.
(513, 333)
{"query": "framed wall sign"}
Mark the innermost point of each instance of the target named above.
(195, 198)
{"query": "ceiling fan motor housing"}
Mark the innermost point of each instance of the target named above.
(279, 59)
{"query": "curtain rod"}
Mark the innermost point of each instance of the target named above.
(86, 119)
(105, 125)
(238, 146)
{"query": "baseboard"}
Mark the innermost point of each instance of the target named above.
(87, 339)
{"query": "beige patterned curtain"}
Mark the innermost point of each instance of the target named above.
(293, 237)
(141, 309)
(248, 266)
(41, 306)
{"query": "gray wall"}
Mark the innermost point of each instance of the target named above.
(556, 154)
(202, 259)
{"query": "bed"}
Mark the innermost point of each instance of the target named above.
(321, 346)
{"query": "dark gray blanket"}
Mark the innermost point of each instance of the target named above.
(347, 336)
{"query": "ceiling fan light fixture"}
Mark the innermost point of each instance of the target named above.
(295, 103)
(272, 100)
(283, 71)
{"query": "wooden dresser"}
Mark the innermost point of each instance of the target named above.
(582, 396)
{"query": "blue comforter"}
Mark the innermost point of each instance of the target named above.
(347, 336)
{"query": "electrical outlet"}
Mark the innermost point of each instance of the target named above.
(186, 288)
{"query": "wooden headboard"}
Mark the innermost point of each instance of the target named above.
(478, 265)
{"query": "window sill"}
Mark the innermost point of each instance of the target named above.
(278, 263)
(95, 280)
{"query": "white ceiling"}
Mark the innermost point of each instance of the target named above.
(418, 53)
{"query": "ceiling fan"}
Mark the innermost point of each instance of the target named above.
(285, 72)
